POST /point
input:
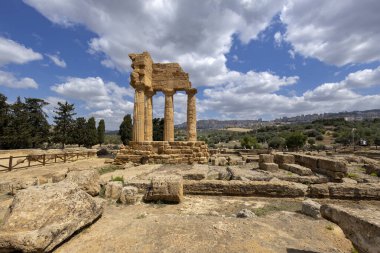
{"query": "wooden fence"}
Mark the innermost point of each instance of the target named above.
(25, 161)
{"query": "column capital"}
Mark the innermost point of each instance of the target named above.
(150, 93)
(169, 92)
(139, 87)
(191, 91)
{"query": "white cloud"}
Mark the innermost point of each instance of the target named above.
(105, 100)
(241, 101)
(335, 32)
(12, 52)
(9, 80)
(56, 60)
(197, 34)
(278, 38)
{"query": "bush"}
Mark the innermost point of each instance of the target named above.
(319, 138)
(102, 152)
(249, 142)
(311, 141)
(118, 178)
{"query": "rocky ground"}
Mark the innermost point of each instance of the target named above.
(199, 223)
(209, 224)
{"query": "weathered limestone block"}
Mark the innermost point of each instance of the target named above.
(219, 161)
(87, 180)
(268, 166)
(128, 195)
(354, 191)
(235, 161)
(284, 158)
(311, 208)
(361, 226)
(266, 158)
(253, 158)
(319, 191)
(245, 174)
(165, 189)
(308, 161)
(332, 165)
(42, 217)
(297, 169)
(245, 188)
(113, 189)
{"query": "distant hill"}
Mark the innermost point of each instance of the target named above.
(222, 124)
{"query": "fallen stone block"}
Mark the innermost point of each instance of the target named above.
(245, 188)
(87, 180)
(165, 189)
(311, 208)
(245, 213)
(361, 226)
(198, 172)
(284, 158)
(266, 158)
(308, 161)
(297, 169)
(219, 161)
(113, 189)
(42, 217)
(269, 166)
(128, 195)
(354, 191)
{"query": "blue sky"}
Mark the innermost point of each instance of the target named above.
(248, 59)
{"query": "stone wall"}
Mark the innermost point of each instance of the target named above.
(334, 169)
(164, 152)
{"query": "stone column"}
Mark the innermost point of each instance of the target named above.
(149, 115)
(169, 116)
(191, 115)
(138, 114)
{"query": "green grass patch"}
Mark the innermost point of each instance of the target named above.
(352, 176)
(373, 174)
(118, 178)
(353, 250)
(329, 227)
(108, 169)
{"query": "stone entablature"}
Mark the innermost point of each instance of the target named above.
(164, 152)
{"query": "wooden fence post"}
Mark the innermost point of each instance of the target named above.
(43, 159)
(10, 163)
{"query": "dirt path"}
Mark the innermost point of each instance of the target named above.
(206, 224)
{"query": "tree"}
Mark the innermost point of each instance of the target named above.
(79, 132)
(4, 117)
(17, 131)
(92, 135)
(249, 142)
(63, 122)
(276, 142)
(376, 141)
(295, 140)
(158, 129)
(125, 129)
(38, 125)
(101, 131)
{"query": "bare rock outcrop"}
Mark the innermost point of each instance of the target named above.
(41, 217)
(361, 226)
(87, 180)
(311, 208)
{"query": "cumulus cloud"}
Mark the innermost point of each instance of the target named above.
(245, 102)
(13, 52)
(9, 80)
(335, 32)
(56, 60)
(105, 100)
(196, 34)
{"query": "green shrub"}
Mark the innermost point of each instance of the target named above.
(107, 169)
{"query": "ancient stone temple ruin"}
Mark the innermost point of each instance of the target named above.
(147, 78)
